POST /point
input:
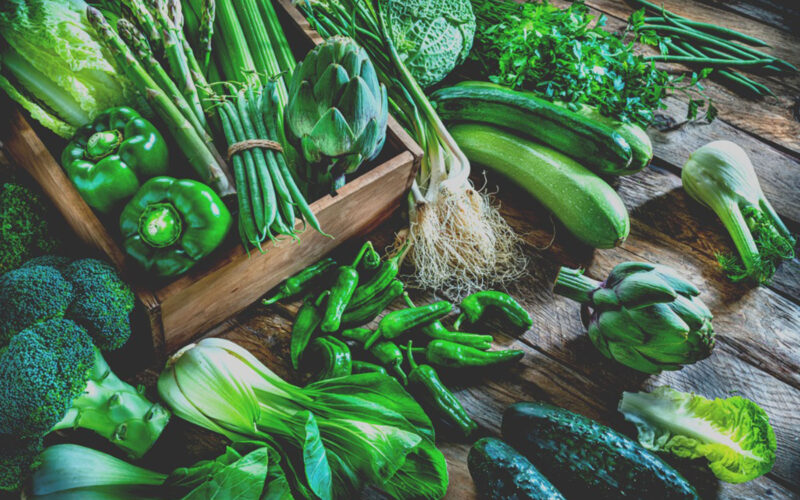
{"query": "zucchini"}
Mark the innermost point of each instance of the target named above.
(591, 142)
(584, 459)
(634, 135)
(588, 207)
(501, 473)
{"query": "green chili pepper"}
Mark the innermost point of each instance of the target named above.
(108, 159)
(341, 292)
(170, 224)
(305, 324)
(331, 356)
(372, 259)
(474, 306)
(360, 335)
(365, 367)
(303, 281)
(396, 323)
(367, 291)
(370, 310)
(425, 383)
(436, 330)
(388, 354)
(452, 355)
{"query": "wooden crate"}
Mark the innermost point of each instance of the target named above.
(229, 281)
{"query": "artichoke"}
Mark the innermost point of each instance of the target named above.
(337, 111)
(642, 316)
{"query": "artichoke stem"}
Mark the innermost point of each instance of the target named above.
(572, 283)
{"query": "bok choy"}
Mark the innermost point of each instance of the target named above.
(334, 436)
(720, 176)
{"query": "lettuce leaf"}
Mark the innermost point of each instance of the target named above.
(66, 68)
(734, 434)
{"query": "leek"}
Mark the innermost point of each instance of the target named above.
(720, 176)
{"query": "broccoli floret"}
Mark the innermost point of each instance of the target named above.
(52, 377)
(17, 458)
(23, 227)
(57, 261)
(42, 370)
(102, 304)
(29, 295)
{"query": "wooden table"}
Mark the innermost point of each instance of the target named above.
(758, 329)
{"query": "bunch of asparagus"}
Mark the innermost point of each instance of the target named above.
(159, 61)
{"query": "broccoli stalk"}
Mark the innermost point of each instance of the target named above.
(115, 410)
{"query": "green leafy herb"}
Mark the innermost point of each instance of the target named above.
(567, 55)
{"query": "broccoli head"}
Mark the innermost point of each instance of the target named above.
(52, 377)
(102, 304)
(43, 368)
(24, 230)
(29, 295)
(17, 458)
(58, 261)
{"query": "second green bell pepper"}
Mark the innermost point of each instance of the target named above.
(109, 158)
(170, 224)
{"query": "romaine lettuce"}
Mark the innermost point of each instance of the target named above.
(734, 434)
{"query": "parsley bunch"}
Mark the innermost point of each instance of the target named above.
(564, 55)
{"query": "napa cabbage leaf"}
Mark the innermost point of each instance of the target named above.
(733, 434)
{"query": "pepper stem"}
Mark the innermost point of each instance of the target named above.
(160, 225)
(572, 283)
(409, 353)
(364, 248)
(102, 144)
(457, 322)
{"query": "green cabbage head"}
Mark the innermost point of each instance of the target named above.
(734, 434)
(432, 37)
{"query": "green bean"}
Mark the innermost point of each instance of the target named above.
(250, 162)
(732, 77)
(696, 35)
(712, 29)
(247, 229)
(709, 61)
(270, 203)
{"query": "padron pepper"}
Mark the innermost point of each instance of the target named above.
(474, 306)
(425, 383)
(170, 224)
(436, 330)
(395, 323)
(452, 355)
(303, 281)
(308, 318)
(109, 158)
(369, 311)
(331, 356)
(387, 353)
(367, 367)
(341, 292)
(367, 291)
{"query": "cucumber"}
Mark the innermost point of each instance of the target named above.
(634, 135)
(581, 200)
(501, 473)
(584, 459)
(591, 142)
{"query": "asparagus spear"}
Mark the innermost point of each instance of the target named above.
(206, 32)
(145, 20)
(135, 40)
(176, 58)
(194, 147)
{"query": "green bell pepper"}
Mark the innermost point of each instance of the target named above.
(109, 158)
(170, 224)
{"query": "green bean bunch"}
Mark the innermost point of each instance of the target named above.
(710, 46)
(268, 194)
